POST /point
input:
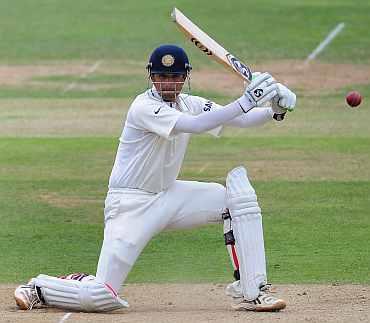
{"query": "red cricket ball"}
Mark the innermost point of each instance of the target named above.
(353, 98)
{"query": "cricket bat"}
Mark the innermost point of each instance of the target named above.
(210, 47)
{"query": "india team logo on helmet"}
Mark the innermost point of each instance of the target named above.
(168, 59)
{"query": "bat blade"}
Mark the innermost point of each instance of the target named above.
(209, 46)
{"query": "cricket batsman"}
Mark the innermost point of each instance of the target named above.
(145, 197)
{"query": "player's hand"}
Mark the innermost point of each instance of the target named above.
(284, 101)
(262, 89)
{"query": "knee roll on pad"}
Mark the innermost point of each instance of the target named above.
(246, 205)
(85, 296)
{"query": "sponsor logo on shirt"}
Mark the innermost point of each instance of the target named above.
(207, 106)
(157, 111)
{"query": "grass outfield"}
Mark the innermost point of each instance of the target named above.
(311, 172)
(252, 29)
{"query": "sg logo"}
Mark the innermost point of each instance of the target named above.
(258, 92)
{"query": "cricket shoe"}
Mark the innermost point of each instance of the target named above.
(265, 302)
(26, 296)
(234, 289)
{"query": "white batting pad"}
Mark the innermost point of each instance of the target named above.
(86, 296)
(246, 217)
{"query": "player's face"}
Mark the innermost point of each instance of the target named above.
(168, 85)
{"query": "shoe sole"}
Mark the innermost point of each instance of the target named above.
(279, 305)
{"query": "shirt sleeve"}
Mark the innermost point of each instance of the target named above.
(156, 118)
(255, 117)
(203, 105)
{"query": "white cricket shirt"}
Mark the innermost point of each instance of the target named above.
(148, 156)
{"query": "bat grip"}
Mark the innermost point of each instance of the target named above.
(279, 117)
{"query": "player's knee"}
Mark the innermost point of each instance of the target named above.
(241, 196)
(244, 205)
(86, 296)
(97, 297)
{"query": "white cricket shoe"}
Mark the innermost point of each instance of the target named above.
(265, 302)
(26, 296)
(234, 290)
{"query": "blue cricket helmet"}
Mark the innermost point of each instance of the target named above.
(168, 59)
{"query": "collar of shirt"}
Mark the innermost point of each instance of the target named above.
(153, 93)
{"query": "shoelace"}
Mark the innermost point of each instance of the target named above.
(267, 288)
(33, 303)
(34, 298)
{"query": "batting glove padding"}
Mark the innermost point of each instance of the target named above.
(285, 100)
(262, 89)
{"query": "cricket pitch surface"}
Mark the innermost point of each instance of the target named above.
(208, 303)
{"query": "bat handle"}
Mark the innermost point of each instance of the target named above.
(279, 117)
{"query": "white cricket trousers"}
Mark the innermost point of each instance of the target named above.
(133, 217)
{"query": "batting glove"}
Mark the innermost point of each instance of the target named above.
(285, 100)
(262, 89)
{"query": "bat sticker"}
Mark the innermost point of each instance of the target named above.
(239, 66)
(203, 48)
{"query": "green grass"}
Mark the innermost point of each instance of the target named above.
(311, 172)
(320, 239)
(54, 30)
(52, 210)
(93, 79)
(36, 92)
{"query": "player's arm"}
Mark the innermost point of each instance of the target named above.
(253, 118)
(260, 90)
